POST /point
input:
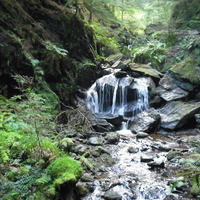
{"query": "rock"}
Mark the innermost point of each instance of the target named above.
(159, 162)
(195, 189)
(101, 125)
(164, 147)
(133, 149)
(197, 118)
(175, 114)
(112, 195)
(146, 121)
(81, 189)
(115, 120)
(141, 135)
(145, 70)
(86, 177)
(168, 89)
(95, 140)
(112, 138)
(173, 154)
(146, 158)
(188, 70)
(120, 74)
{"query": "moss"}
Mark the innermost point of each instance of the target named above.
(195, 189)
(64, 169)
(145, 69)
(187, 69)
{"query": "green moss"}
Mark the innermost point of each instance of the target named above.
(187, 69)
(64, 169)
(195, 189)
(145, 69)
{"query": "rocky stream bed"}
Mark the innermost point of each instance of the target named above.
(126, 166)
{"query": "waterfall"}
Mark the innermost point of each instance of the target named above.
(125, 96)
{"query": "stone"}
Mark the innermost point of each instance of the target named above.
(175, 114)
(95, 141)
(145, 70)
(132, 149)
(197, 118)
(112, 137)
(112, 195)
(168, 89)
(142, 135)
(146, 158)
(173, 154)
(120, 74)
(146, 121)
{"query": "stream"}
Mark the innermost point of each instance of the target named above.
(141, 170)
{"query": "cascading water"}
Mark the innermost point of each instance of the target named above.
(121, 96)
(125, 96)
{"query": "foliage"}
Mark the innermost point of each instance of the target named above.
(32, 163)
(187, 69)
(154, 52)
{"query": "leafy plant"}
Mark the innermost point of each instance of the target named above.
(154, 52)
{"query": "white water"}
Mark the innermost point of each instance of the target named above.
(111, 95)
(118, 95)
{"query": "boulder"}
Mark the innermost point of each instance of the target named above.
(142, 135)
(112, 138)
(115, 120)
(175, 114)
(143, 69)
(146, 121)
(169, 90)
(95, 141)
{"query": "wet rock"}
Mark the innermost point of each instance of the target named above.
(146, 121)
(195, 189)
(173, 154)
(81, 189)
(164, 147)
(95, 141)
(142, 135)
(97, 151)
(143, 69)
(120, 74)
(112, 138)
(112, 195)
(157, 163)
(175, 114)
(101, 125)
(146, 158)
(133, 149)
(197, 118)
(115, 120)
(80, 149)
(168, 89)
(87, 177)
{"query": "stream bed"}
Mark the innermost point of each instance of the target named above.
(141, 170)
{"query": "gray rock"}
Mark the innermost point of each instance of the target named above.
(142, 134)
(146, 121)
(169, 90)
(173, 154)
(197, 118)
(146, 158)
(175, 114)
(112, 137)
(95, 140)
(133, 149)
(112, 195)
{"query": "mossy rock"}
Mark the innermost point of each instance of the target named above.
(187, 69)
(145, 70)
(195, 189)
(65, 169)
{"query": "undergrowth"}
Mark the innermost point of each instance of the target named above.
(34, 162)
